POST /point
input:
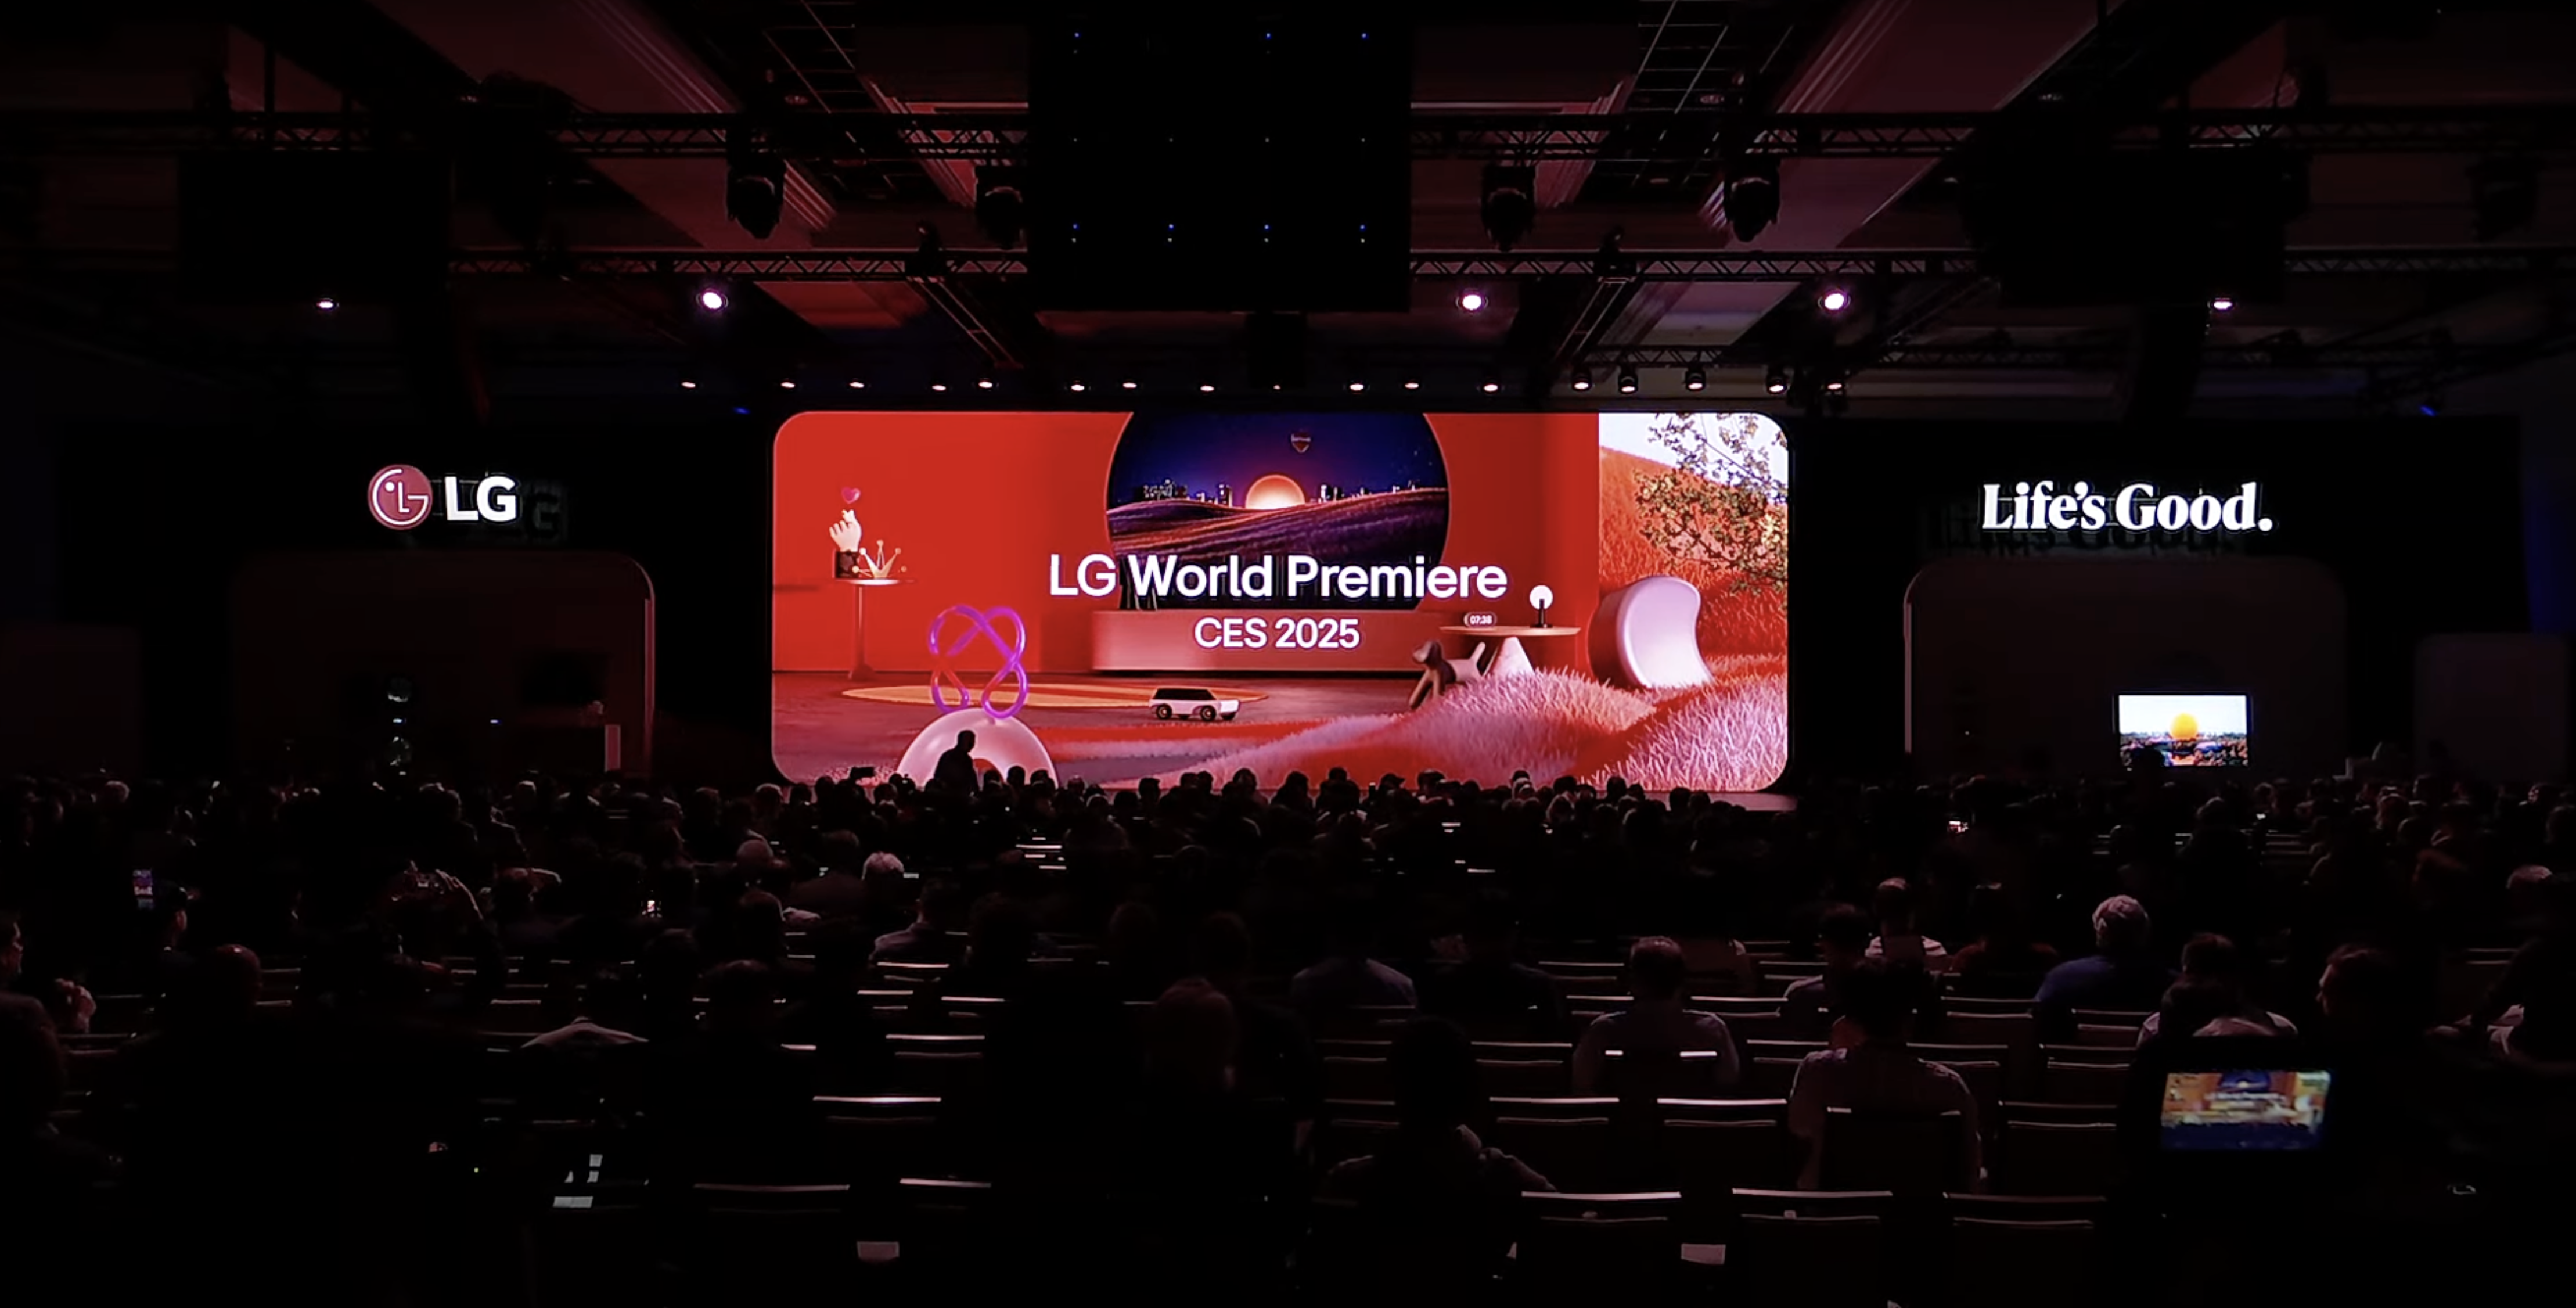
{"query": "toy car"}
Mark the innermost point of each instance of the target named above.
(1193, 702)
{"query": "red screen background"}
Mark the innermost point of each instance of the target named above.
(977, 501)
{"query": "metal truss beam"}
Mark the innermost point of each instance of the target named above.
(2006, 356)
(1606, 138)
(1644, 266)
(1727, 266)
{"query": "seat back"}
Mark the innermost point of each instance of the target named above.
(1803, 1261)
(2015, 1263)
(2058, 1158)
(1658, 1074)
(1567, 1238)
(1573, 1153)
(1904, 1153)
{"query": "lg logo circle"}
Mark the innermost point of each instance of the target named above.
(399, 497)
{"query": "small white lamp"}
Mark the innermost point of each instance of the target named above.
(1540, 598)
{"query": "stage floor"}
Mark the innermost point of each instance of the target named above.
(1100, 726)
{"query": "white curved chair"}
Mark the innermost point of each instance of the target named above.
(1646, 635)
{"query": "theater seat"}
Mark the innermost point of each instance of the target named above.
(1646, 635)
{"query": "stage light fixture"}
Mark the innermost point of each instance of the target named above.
(1583, 379)
(1835, 386)
(1627, 381)
(1076, 387)
(1694, 380)
(1412, 385)
(2504, 196)
(756, 193)
(1752, 196)
(1834, 301)
(326, 304)
(939, 388)
(1127, 386)
(1207, 388)
(983, 383)
(2221, 303)
(1491, 386)
(786, 383)
(687, 385)
(712, 299)
(1472, 301)
(1356, 387)
(857, 385)
(1507, 209)
(1775, 379)
(1000, 211)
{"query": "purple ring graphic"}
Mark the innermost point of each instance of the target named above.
(979, 623)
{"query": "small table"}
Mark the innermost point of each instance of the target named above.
(1509, 659)
(859, 588)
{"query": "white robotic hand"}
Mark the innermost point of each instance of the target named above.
(846, 536)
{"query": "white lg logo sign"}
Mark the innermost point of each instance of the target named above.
(400, 497)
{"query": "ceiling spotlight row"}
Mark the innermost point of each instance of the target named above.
(1776, 380)
(940, 387)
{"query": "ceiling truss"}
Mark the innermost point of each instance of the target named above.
(1604, 138)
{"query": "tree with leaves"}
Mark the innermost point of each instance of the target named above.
(1724, 501)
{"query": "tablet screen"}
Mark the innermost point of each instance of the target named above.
(2267, 1109)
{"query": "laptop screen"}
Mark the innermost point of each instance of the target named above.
(2228, 1111)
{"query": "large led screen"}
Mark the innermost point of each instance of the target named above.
(1119, 596)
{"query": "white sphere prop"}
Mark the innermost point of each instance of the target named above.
(1000, 744)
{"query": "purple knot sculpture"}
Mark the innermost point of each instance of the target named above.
(956, 629)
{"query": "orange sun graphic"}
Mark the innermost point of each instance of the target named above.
(1274, 492)
(2186, 727)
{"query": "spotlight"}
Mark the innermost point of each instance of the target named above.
(687, 385)
(1752, 196)
(1000, 212)
(1076, 387)
(326, 304)
(1583, 379)
(1491, 386)
(1694, 379)
(1834, 301)
(2221, 303)
(857, 385)
(786, 383)
(1356, 387)
(1627, 380)
(983, 383)
(1472, 301)
(756, 193)
(1127, 386)
(712, 299)
(927, 259)
(1835, 386)
(1507, 209)
(1207, 388)
(939, 388)
(1411, 385)
(1775, 379)
(2504, 195)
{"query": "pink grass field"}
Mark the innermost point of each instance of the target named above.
(1728, 735)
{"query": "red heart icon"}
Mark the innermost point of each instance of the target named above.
(849, 495)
